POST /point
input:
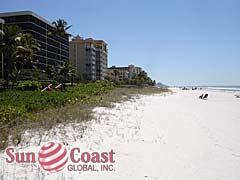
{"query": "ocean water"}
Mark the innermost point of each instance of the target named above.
(223, 88)
(213, 88)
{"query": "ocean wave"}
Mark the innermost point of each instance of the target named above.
(234, 88)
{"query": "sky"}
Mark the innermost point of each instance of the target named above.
(178, 42)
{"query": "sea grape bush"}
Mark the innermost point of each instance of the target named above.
(29, 85)
(18, 103)
(9, 112)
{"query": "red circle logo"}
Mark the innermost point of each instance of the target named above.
(53, 157)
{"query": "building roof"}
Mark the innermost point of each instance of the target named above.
(20, 13)
(126, 67)
(88, 40)
(114, 67)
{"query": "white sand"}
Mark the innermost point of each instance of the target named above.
(171, 137)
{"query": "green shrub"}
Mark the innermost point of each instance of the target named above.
(9, 112)
(29, 85)
(19, 103)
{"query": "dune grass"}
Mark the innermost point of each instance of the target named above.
(36, 110)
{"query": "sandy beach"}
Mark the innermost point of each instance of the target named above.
(172, 136)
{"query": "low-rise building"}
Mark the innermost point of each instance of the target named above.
(134, 70)
(89, 57)
(123, 73)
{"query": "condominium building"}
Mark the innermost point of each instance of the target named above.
(89, 57)
(1, 53)
(123, 73)
(134, 70)
(101, 59)
(54, 49)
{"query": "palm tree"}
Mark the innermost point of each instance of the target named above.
(1, 33)
(26, 48)
(67, 71)
(60, 29)
(141, 78)
(143, 75)
(116, 73)
(8, 46)
(51, 71)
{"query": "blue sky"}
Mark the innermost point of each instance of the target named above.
(178, 42)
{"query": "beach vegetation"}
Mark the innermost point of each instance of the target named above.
(21, 110)
(27, 99)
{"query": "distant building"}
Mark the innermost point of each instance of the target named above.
(101, 59)
(89, 57)
(124, 73)
(54, 49)
(1, 54)
(134, 70)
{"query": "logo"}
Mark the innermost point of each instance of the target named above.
(52, 157)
